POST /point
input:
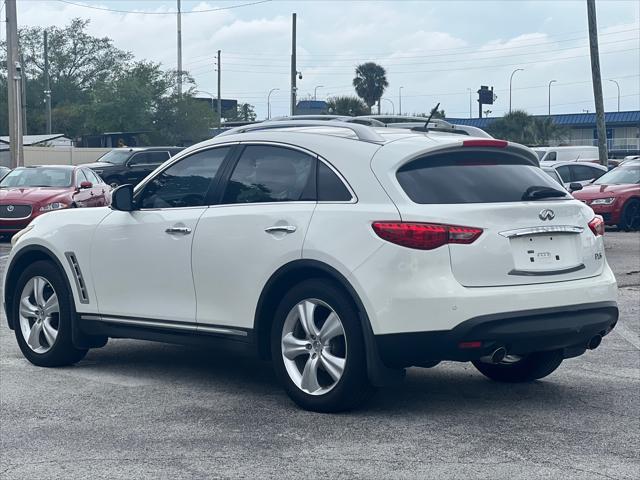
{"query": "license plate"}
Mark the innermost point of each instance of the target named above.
(546, 252)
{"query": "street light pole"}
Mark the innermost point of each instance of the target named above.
(617, 85)
(393, 107)
(511, 83)
(269, 102)
(470, 114)
(400, 100)
(315, 92)
(552, 81)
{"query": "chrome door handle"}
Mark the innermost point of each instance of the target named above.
(181, 230)
(281, 228)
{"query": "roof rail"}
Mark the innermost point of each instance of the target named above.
(363, 132)
(440, 123)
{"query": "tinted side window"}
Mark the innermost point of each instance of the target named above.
(270, 174)
(330, 187)
(582, 173)
(149, 158)
(471, 177)
(565, 173)
(184, 184)
(80, 177)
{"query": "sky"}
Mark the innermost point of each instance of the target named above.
(433, 51)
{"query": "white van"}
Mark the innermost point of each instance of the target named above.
(567, 154)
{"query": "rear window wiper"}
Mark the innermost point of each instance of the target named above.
(537, 192)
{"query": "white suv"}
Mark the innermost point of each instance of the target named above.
(342, 252)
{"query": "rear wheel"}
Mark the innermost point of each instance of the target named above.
(515, 369)
(630, 218)
(42, 307)
(318, 349)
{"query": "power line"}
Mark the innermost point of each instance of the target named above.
(104, 9)
(465, 52)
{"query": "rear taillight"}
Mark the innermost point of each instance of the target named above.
(425, 236)
(597, 225)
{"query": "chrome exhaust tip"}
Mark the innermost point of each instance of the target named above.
(496, 356)
(594, 342)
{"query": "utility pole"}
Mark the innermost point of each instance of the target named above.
(597, 82)
(14, 71)
(219, 97)
(294, 70)
(179, 49)
(470, 114)
(552, 81)
(47, 87)
(23, 97)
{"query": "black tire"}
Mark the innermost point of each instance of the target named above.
(353, 387)
(62, 352)
(532, 367)
(630, 217)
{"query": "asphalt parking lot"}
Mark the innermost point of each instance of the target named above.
(147, 410)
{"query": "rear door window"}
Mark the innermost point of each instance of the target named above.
(474, 177)
(565, 173)
(330, 187)
(271, 174)
(582, 173)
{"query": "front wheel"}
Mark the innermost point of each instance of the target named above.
(318, 349)
(630, 218)
(516, 369)
(42, 308)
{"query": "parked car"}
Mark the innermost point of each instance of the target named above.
(344, 253)
(616, 196)
(576, 172)
(130, 165)
(4, 171)
(572, 154)
(552, 172)
(28, 192)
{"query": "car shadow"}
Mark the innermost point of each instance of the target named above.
(430, 392)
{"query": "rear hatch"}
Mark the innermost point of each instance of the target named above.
(533, 231)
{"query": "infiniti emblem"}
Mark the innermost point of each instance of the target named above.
(546, 214)
(10, 208)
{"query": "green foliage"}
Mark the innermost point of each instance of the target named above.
(97, 87)
(245, 112)
(434, 113)
(370, 82)
(347, 105)
(520, 127)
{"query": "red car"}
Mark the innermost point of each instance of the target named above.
(615, 196)
(27, 192)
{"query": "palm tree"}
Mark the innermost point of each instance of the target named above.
(347, 105)
(370, 82)
(515, 126)
(546, 129)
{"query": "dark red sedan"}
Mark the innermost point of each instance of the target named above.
(27, 192)
(615, 196)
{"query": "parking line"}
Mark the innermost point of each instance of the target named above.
(628, 335)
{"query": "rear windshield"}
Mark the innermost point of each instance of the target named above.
(476, 177)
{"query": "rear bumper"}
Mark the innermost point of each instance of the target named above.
(563, 328)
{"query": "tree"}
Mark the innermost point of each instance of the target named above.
(518, 126)
(434, 113)
(244, 112)
(370, 82)
(347, 105)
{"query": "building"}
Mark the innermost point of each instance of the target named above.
(623, 129)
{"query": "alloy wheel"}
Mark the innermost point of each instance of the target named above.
(39, 314)
(632, 215)
(314, 346)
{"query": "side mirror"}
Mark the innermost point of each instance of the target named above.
(122, 198)
(575, 186)
(85, 184)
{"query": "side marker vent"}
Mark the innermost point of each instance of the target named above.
(77, 275)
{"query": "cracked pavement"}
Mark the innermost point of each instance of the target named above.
(146, 410)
